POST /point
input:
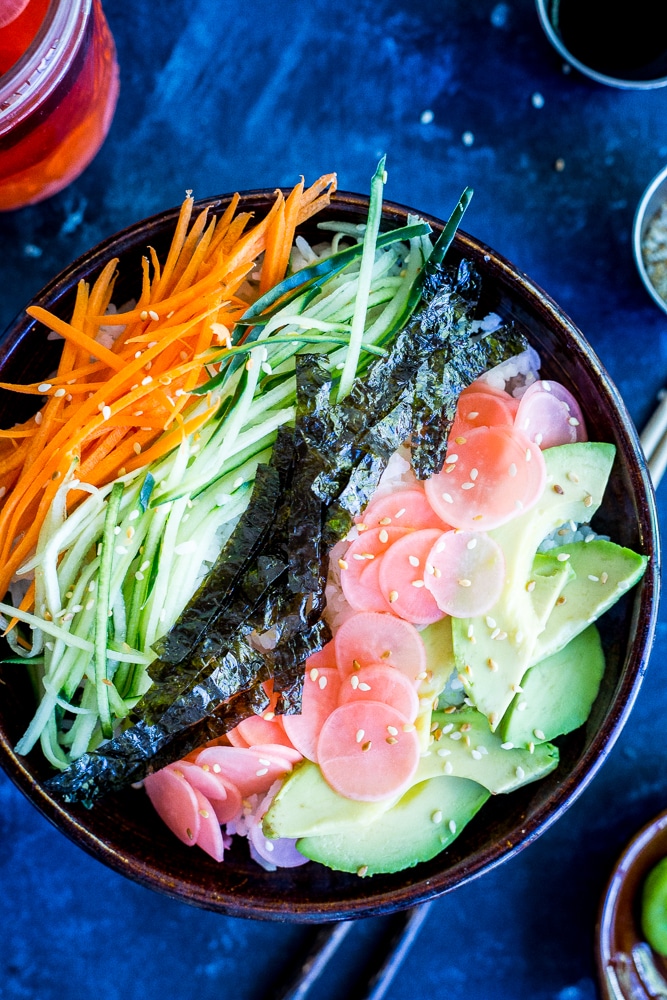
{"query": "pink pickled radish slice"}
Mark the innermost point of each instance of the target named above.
(282, 853)
(369, 545)
(252, 770)
(257, 729)
(325, 657)
(406, 508)
(320, 697)
(367, 751)
(203, 779)
(209, 837)
(373, 599)
(279, 750)
(378, 682)
(549, 415)
(230, 808)
(481, 385)
(235, 738)
(497, 473)
(402, 577)
(482, 409)
(465, 573)
(369, 637)
(175, 802)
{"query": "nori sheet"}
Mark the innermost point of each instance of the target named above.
(271, 575)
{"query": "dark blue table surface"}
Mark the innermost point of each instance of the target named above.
(217, 97)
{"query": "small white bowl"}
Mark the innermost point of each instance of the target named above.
(651, 201)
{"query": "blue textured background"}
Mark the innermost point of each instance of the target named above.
(217, 97)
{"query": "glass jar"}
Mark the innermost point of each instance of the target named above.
(56, 101)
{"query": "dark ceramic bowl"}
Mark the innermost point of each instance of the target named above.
(124, 833)
(627, 967)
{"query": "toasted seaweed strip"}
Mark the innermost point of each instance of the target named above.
(142, 749)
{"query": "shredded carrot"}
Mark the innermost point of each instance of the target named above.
(114, 409)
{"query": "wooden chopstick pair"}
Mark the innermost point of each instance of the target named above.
(331, 937)
(654, 439)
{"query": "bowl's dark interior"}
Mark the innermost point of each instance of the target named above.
(123, 831)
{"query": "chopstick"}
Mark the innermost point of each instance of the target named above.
(331, 937)
(654, 439)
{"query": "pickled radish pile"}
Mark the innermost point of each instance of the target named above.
(420, 551)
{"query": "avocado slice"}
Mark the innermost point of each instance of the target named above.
(557, 693)
(603, 571)
(465, 747)
(306, 805)
(420, 825)
(494, 651)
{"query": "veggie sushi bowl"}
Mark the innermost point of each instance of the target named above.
(138, 834)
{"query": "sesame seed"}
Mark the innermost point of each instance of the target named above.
(447, 497)
(522, 706)
(314, 673)
(471, 631)
(507, 746)
(531, 747)
(452, 826)
(262, 771)
(529, 454)
(356, 665)
(491, 664)
(38, 418)
(136, 447)
(472, 415)
(491, 622)
(134, 515)
(558, 489)
(393, 596)
(418, 583)
(363, 870)
(413, 560)
(408, 727)
(467, 486)
(530, 585)
(538, 734)
(217, 769)
(604, 577)
(436, 817)
(391, 740)
(448, 767)
(342, 563)
(443, 753)
(365, 747)
(573, 477)
(147, 380)
(384, 536)
(474, 474)
(386, 654)
(475, 754)
(360, 735)
(456, 736)
(392, 730)
(44, 387)
(495, 633)
(563, 556)
(322, 683)
(153, 315)
(472, 543)
(106, 412)
(573, 421)
(460, 440)
(588, 500)
(400, 513)
(447, 729)
(384, 520)
(451, 459)
(594, 579)
(464, 583)
(362, 687)
(520, 773)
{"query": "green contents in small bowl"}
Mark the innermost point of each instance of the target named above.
(654, 908)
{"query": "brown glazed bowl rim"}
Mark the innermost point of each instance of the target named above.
(313, 893)
(618, 928)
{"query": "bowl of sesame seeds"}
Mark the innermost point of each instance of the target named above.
(123, 832)
(649, 238)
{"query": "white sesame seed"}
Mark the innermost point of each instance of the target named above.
(491, 622)
(594, 579)
(495, 633)
(475, 754)
(436, 817)
(360, 735)
(447, 729)
(314, 673)
(362, 687)
(520, 773)
(354, 681)
(418, 583)
(153, 315)
(447, 498)
(467, 486)
(563, 556)
(106, 412)
(448, 767)
(392, 730)
(322, 683)
(443, 753)
(529, 454)
(451, 459)
(538, 439)
(538, 734)
(507, 746)
(262, 771)
(384, 536)
(452, 826)
(474, 474)
(38, 418)
(472, 415)
(522, 706)
(456, 736)
(400, 513)
(413, 560)
(393, 596)
(472, 543)
(44, 387)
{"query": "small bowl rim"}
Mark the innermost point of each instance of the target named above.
(634, 862)
(573, 783)
(593, 74)
(639, 225)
